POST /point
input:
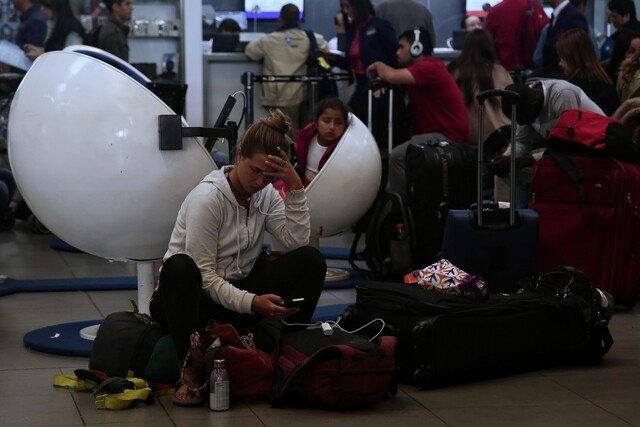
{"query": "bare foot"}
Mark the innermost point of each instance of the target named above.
(187, 393)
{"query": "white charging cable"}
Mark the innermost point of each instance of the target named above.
(327, 327)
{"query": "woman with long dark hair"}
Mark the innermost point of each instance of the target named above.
(476, 70)
(66, 31)
(578, 61)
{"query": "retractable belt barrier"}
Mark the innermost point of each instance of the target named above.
(248, 80)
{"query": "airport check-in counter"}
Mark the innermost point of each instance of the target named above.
(222, 77)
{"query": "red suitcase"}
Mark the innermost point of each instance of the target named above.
(600, 237)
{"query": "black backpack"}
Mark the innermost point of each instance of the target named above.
(326, 88)
(131, 344)
(379, 226)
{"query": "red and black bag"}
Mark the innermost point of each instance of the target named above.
(250, 369)
(337, 371)
(585, 132)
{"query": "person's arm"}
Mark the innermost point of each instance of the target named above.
(399, 76)
(32, 52)
(204, 221)
(289, 221)
(322, 43)
(255, 50)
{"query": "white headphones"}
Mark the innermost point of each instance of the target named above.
(416, 47)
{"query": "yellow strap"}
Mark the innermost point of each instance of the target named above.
(138, 382)
(115, 401)
(122, 400)
(70, 381)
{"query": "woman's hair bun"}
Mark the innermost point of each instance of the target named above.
(278, 121)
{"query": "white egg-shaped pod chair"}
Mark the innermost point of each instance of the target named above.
(84, 149)
(110, 59)
(347, 185)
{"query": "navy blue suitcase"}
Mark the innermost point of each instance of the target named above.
(499, 245)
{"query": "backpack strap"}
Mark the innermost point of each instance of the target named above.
(569, 169)
(313, 43)
(118, 393)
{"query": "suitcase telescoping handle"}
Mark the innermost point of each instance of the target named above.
(512, 98)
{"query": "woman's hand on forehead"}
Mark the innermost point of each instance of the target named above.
(283, 169)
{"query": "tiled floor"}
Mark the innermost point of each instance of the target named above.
(605, 395)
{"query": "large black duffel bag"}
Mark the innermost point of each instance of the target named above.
(443, 339)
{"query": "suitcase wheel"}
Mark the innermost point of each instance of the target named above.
(419, 376)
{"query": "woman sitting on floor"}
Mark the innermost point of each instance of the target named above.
(212, 268)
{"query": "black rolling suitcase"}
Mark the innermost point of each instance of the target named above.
(445, 339)
(499, 245)
(440, 176)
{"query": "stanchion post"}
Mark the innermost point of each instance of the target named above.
(313, 95)
(247, 80)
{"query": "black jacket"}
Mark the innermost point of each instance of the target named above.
(569, 18)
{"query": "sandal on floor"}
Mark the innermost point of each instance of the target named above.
(194, 396)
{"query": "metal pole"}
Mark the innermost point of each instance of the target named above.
(369, 111)
(247, 80)
(512, 169)
(480, 171)
(390, 123)
(145, 285)
(313, 95)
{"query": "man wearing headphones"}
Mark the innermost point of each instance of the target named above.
(438, 112)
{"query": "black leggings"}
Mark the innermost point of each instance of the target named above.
(181, 307)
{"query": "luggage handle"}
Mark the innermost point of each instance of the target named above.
(512, 98)
(574, 277)
(509, 95)
(378, 84)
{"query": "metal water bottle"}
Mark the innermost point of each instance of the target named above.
(219, 387)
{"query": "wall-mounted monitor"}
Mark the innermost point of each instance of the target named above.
(269, 9)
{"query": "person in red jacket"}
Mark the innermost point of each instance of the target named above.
(505, 22)
(316, 141)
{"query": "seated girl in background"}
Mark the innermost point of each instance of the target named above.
(316, 141)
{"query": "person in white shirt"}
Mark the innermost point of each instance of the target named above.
(538, 109)
(213, 269)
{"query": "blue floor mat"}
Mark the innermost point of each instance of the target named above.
(60, 245)
(340, 253)
(11, 286)
(64, 285)
(64, 339)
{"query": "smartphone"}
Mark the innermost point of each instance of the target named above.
(294, 302)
